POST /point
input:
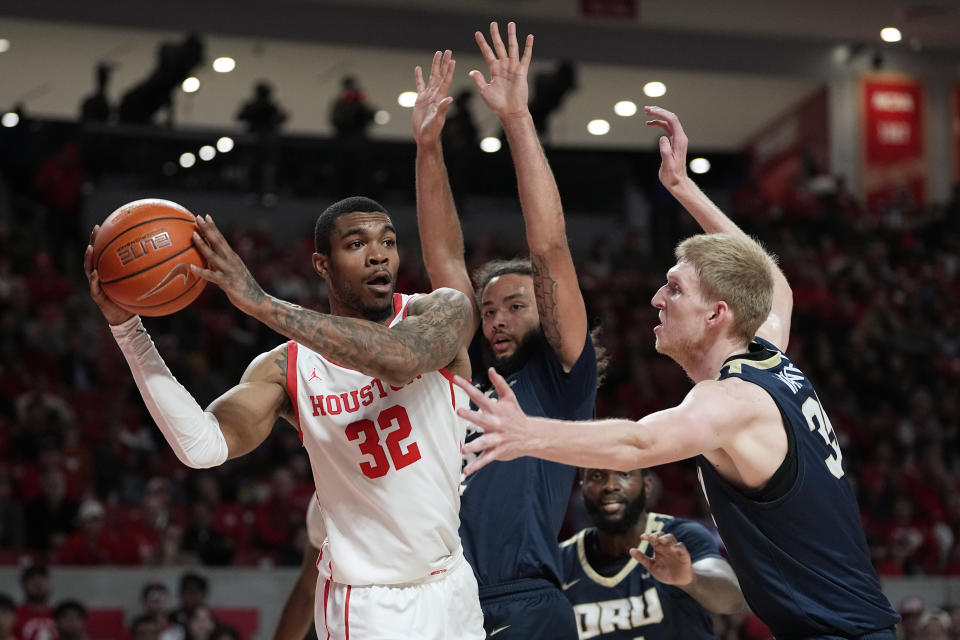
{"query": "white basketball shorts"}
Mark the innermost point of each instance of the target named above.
(441, 607)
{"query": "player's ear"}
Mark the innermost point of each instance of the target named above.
(718, 313)
(321, 264)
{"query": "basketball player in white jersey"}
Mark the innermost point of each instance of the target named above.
(369, 389)
(297, 614)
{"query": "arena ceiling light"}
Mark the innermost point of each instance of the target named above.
(225, 144)
(224, 64)
(654, 89)
(207, 153)
(490, 144)
(625, 108)
(598, 127)
(4, 45)
(10, 120)
(890, 34)
(700, 165)
(407, 99)
(381, 117)
(191, 84)
(187, 160)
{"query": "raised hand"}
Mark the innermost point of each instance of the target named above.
(430, 109)
(670, 563)
(673, 146)
(111, 311)
(224, 267)
(505, 426)
(506, 93)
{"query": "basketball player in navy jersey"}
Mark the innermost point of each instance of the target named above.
(770, 463)
(534, 332)
(668, 592)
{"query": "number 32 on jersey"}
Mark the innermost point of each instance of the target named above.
(401, 454)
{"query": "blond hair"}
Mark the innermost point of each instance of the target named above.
(734, 268)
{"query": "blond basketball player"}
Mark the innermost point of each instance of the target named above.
(369, 389)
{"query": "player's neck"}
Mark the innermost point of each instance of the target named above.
(340, 308)
(707, 364)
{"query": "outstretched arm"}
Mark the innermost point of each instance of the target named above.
(233, 425)
(702, 423)
(441, 239)
(563, 315)
(673, 175)
(438, 327)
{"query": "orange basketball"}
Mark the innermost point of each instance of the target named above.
(143, 254)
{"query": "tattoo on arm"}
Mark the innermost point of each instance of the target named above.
(253, 291)
(286, 406)
(427, 340)
(545, 290)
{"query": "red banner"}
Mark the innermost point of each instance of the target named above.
(792, 148)
(893, 143)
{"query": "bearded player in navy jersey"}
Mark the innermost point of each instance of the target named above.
(769, 460)
(668, 592)
(534, 327)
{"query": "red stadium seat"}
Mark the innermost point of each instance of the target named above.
(106, 624)
(245, 620)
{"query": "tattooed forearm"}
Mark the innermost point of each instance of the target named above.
(253, 291)
(545, 291)
(427, 340)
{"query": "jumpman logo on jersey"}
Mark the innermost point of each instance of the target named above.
(314, 376)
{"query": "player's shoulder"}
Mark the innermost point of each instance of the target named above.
(572, 540)
(269, 366)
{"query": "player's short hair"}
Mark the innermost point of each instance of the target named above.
(327, 219)
(734, 268)
(7, 603)
(486, 272)
(69, 605)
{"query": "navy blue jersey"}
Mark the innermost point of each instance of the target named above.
(801, 557)
(511, 512)
(621, 601)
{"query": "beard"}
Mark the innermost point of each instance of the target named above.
(508, 365)
(631, 515)
(375, 312)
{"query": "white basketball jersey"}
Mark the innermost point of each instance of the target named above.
(386, 462)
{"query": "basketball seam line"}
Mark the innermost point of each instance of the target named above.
(176, 297)
(155, 264)
(139, 224)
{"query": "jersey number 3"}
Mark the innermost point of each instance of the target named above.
(817, 420)
(371, 446)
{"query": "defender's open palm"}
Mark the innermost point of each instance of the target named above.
(673, 146)
(506, 429)
(430, 109)
(506, 93)
(224, 267)
(670, 563)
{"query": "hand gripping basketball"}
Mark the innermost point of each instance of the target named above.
(111, 311)
(224, 267)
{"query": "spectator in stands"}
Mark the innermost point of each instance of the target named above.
(350, 114)
(263, 117)
(11, 516)
(34, 615)
(8, 616)
(935, 624)
(911, 611)
(279, 515)
(203, 540)
(155, 603)
(94, 543)
(225, 632)
(193, 594)
(144, 627)
(71, 619)
(201, 624)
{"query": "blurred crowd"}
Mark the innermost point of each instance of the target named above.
(86, 479)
